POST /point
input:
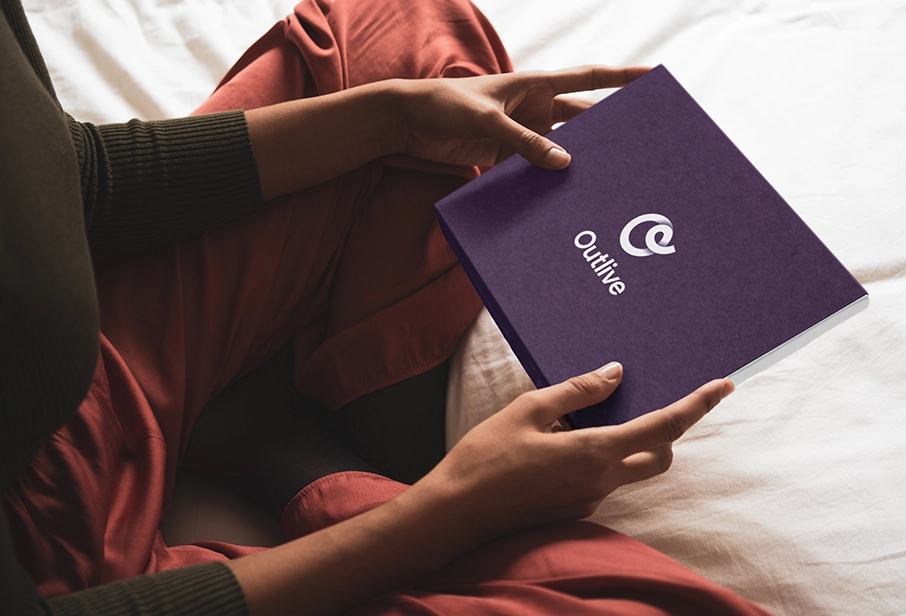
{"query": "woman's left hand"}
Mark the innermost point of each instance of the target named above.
(460, 121)
(482, 120)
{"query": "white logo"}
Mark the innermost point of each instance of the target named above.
(653, 244)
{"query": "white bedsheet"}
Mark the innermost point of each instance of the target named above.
(792, 492)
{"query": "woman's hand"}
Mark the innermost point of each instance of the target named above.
(514, 470)
(460, 121)
(519, 469)
(482, 120)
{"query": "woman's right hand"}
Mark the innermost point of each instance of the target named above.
(513, 471)
(519, 469)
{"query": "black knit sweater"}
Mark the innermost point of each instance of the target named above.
(71, 192)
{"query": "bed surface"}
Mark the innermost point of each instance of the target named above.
(793, 491)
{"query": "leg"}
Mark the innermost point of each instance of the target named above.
(180, 323)
(329, 47)
(566, 568)
(355, 271)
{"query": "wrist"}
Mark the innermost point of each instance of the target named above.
(447, 517)
(391, 99)
(304, 142)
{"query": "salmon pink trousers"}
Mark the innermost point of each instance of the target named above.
(356, 275)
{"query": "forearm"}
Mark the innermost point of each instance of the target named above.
(304, 142)
(343, 565)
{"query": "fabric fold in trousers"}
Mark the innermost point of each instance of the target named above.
(355, 273)
(575, 568)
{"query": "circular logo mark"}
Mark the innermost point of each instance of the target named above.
(653, 244)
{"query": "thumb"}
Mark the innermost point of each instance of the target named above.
(534, 148)
(552, 403)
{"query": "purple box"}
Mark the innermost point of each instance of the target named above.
(660, 247)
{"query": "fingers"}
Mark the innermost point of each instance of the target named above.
(662, 427)
(585, 78)
(566, 109)
(530, 145)
(645, 465)
(551, 403)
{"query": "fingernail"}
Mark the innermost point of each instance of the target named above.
(727, 389)
(611, 371)
(557, 158)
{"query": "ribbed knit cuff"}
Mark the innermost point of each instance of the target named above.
(170, 179)
(200, 589)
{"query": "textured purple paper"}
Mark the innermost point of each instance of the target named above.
(747, 274)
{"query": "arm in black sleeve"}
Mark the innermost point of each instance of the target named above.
(147, 184)
(200, 589)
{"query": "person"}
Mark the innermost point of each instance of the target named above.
(147, 265)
